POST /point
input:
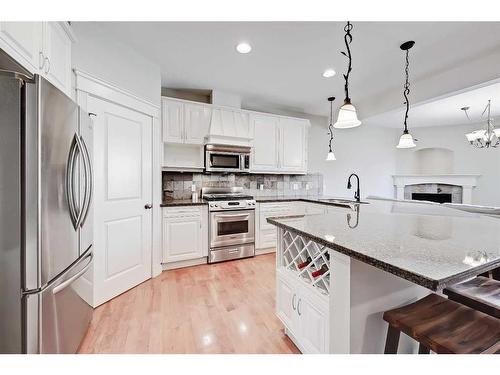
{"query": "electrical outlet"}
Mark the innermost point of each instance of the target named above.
(261, 186)
(295, 186)
(307, 186)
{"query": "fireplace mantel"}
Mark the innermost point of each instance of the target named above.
(466, 181)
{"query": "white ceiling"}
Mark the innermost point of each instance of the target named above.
(288, 58)
(446, 110)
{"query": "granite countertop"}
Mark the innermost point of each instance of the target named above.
(182, 202)
(429, 245)
(312, 199)
(321, 199)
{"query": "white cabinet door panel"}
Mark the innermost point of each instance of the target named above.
(23, 41)
(182, 238)
(123, 186)
(196, 123)
(242, 124)
(292, 145)
(286, 302)
(313, 325)
(172, 115)
(57, 50)
(265, 144)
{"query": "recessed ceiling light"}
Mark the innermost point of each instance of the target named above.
(243, 47)
(329, 73)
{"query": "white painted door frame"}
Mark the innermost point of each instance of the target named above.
(90, 86)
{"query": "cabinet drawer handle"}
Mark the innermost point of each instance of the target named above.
(293, 301)
(298, 307)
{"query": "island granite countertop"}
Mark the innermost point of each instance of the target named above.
(429, 245)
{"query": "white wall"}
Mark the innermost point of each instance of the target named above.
(466, 159)
(105, 57)
(434, 160)
(369, 152)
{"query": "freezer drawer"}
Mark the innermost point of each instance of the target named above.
(58, 317)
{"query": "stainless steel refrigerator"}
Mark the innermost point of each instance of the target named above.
(45, 215)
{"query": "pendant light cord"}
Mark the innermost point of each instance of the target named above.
(347, 40)
(330, 127)
(406, 90)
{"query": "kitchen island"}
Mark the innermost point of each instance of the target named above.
(380, 255)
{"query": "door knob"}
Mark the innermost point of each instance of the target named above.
(148, 206)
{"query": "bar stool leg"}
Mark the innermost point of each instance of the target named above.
(392, 340)
(422, 349)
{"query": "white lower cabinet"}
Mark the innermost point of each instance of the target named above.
(185, 233)
(266, 233)
(314, 323)
(286, 301)
(304, 311)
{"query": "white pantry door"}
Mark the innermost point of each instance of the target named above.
(123, 188)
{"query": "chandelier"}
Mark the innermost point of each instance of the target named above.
(484, 138)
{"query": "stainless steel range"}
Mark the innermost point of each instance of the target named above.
(231, 223)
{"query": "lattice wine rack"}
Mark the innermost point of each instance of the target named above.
(308, 259)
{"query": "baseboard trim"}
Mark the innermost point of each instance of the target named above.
(265, 251)
(184, 263)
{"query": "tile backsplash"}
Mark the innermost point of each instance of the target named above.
(178, 185)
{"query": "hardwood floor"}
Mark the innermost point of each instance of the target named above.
(218, 308)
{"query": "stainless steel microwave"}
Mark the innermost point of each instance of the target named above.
(231, 159)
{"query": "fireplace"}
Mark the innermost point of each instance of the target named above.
(458, 186)
(432, 197)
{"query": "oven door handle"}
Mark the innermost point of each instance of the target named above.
(233, 216)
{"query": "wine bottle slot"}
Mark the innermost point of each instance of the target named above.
(304, 264)
(321, 271)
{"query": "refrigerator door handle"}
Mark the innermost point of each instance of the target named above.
(69, 281)
(70, 174)
(89, 181)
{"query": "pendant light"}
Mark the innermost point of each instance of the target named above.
(331, 155)
(347, 117)
(406, 140)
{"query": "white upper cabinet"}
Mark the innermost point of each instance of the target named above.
(279, 144)
(196, 123)
(172, 116)
(57, 56)
(23, 41)
(43, 48)
(185, 122)
(265, 143)
(293, 143)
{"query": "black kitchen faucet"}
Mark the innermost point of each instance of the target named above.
(356, 194)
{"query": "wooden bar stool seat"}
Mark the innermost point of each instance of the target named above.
(480, 293)
(442, 326)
